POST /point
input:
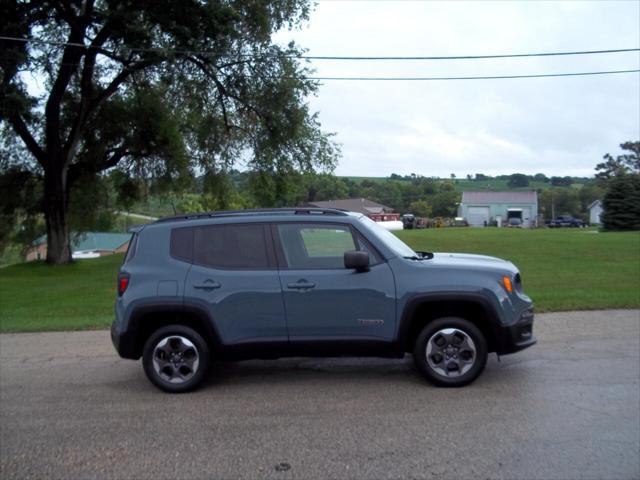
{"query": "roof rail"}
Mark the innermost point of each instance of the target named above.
(255, 212)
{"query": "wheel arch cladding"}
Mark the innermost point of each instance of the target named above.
(148, 320)
(424, 310)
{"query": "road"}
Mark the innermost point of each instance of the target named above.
(567, 408)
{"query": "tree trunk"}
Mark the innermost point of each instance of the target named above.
(56, 214)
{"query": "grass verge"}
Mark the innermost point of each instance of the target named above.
(36, 297)
(563, 269)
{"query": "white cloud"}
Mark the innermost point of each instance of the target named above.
(560, 126)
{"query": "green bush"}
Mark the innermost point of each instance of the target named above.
(622, 203)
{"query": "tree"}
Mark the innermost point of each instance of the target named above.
(561, 181)
(621, 178)
(324, 187)
(157, 89)
(559, 201)
(622, 164)
(622, 203)
(540, 177)
(420, 208)
(445, 203)
(518, 180)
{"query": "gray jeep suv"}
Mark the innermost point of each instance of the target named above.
(263, 284)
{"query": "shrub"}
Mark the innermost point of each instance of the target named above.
(622, 203)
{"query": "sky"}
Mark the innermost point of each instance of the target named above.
(557, 126)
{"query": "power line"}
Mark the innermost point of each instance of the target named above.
(496, 77)
(473, 57)
(333, 57)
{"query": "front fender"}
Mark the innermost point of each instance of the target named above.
(420, 299)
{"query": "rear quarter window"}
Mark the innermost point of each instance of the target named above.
(182, 244)
(131, 249)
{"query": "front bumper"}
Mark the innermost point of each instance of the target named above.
(516, 337)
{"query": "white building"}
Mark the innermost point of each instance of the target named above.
(595, 212)
(481, 209)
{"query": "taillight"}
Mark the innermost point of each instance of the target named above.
(123, 282)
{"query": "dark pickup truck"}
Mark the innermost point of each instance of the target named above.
(565, 221)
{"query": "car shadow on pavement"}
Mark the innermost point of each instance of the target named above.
(342, 370)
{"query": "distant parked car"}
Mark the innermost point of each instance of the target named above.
(408, 221)
(515, 222)
(565, 221)
(459, 222)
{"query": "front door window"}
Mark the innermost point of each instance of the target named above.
(311, 246)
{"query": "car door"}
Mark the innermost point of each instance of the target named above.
(234, 276)
(324, 300)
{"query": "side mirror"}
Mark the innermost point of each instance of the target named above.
(356, 260)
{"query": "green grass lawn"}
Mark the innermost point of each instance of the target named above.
(34, 296)
(562, 269)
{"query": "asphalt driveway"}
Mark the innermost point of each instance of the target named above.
(567, 408)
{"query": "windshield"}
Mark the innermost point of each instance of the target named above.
(389, 239)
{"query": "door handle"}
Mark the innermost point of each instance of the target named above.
(207, 285)
(299, 285)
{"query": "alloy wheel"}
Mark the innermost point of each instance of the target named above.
(175, 359)
(450, 352)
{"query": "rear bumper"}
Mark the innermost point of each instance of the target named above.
(516, 337)
(124, 343)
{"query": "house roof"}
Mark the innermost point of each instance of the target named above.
(500, 197)
(93, 241)
(360, 205)
(594, 203)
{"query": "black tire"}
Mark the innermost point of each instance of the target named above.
(182, 342)
(471, 357)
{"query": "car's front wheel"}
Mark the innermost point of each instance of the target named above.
(176, 358)
(450, 352)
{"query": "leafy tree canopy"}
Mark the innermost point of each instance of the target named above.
(561, 181)
(159, 89)
(628, 162)
(420, 208)
(622, 203)
(518, 180)
(621, 178)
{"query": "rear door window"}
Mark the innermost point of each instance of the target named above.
(231, 246)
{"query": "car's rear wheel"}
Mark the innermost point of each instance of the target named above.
(450, 352)
(176, 358)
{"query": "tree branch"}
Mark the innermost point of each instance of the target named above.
(119, 80)
(68, 65)
(112, 158)
(201, 63)
(23, 131)
(86, 89)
